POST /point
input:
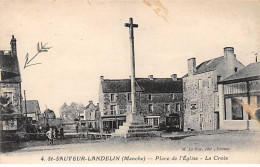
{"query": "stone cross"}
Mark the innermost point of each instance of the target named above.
(131, 27)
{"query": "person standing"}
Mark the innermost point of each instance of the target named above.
(49, 134)
(106, 128)
(47, 127)
(56, 133)
(77, 128)
(61, 133)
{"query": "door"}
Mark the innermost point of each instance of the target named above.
(216, 120)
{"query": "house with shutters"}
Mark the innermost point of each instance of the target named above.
(158, 100)
(91, 116)
(239, 98)
(10, 89)
(200, 90)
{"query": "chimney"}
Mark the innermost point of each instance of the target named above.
(129, 76)
(150, 77)
(191, 66)
(101, 78)
(90, 102)
(13, 46)
(174, 77)
(229, 52)
(230, 59)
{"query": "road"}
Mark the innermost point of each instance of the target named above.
(238, 146)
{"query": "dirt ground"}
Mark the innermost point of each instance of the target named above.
(229, 143)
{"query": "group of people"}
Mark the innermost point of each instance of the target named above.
(54, 133)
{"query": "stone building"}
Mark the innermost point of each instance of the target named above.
(91, 117)
(158, 100)
(33, 110)
(239, 97)
(10, 88)
(200, 90)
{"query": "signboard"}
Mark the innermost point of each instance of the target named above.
(193, 107)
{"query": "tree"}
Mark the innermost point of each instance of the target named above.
(71, 112)
(49, 114)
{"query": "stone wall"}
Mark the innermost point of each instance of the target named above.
(200, 117)
(142, 103)
(205, 101)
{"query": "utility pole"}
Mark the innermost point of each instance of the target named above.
(25, 105)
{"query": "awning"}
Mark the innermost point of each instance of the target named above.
(153, 116)
(113, 119)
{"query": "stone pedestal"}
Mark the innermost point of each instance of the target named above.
(134, 118)
(135, 127)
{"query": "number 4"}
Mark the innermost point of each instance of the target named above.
(42, 159)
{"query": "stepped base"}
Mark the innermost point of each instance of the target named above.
(129, 130)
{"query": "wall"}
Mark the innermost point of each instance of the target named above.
(90, 112)
(204, 99)
(142, 103)
(16, 89)
(224, 69)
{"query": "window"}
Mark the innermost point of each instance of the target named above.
(200, 84)
(150, 97)
(112, 97)
(184, 86)
(155, 121)
(201, 105)
(152, 121)
(216, 83)
(178, 107)
(235, 69)
(150, 108)
(218, 78)
(112, 109)
(209, 82)
(8, 95)
(237, 109)
(129, 96)
(167, 107)
(172, 96)
(185, 103)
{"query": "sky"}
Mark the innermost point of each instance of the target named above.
(88, 39)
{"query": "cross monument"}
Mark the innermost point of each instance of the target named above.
(133, 116)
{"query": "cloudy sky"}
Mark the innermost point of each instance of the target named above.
(89, 39)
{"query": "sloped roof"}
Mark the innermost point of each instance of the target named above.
(157, 85)
(96, 107)
(250, 71)
(10, 68)
(32, 106)
(209, 65)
